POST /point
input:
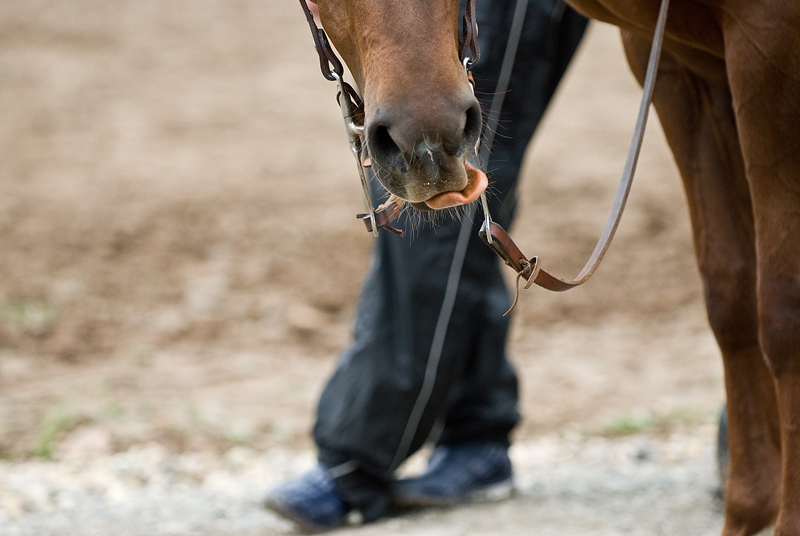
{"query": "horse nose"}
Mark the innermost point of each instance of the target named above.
(399, 139)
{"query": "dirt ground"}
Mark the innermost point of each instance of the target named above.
(179, 260)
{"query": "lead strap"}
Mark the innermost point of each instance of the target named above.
(496, 237)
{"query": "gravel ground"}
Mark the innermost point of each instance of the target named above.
(566, 484)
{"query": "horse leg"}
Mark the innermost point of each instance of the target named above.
(764, 74)
(698, 121)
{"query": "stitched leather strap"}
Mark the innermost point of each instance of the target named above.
(511, 254)
(469, 37)
(329, 64)
(384, 217)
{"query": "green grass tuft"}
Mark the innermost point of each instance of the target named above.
(630, 424)
(49, 428)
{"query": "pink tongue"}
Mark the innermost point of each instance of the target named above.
(476, 184)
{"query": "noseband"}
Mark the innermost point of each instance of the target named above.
(491, 233)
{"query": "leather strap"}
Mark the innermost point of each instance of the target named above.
(511, 254)
(469, 37)
(384, 216)
(329, 64)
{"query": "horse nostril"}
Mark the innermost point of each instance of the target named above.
(384, 150)
(472, 129)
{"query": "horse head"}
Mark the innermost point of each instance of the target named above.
(422, 120)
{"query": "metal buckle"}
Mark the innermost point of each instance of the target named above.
(354, 133)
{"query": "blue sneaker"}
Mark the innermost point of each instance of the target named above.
(311, 501)
(458, 474)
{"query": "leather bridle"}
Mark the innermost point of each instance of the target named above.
(491, 233)
(352, 108)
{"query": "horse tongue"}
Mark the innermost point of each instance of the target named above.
(476, 184)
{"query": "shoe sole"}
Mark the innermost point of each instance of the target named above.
(301, 525)
(493, 493)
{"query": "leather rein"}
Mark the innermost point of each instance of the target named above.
(491, 233)
(530, 268)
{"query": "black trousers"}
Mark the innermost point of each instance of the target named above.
(401, 379)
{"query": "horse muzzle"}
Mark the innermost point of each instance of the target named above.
(421, 156)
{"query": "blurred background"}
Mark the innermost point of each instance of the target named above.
(179, 257)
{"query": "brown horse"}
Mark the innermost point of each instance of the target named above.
(728, 96)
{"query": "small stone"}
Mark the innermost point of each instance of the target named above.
(84, 443)
(304, 318)
(12, 506)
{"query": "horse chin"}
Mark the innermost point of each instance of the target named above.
(420, 207)
(476, 185)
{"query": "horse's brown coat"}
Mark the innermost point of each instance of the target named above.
(728, 96)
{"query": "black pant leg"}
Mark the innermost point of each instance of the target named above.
(389, 389)
(482, 397)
